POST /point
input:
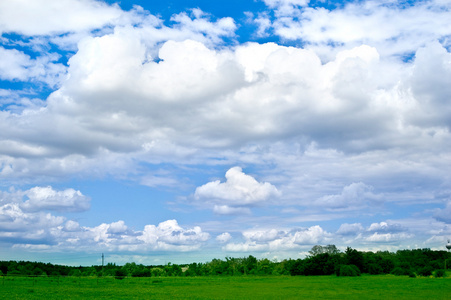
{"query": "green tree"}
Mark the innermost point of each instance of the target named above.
(265, 267)
(250, 264)
(349, 270)
(329, 249)
(354, 257)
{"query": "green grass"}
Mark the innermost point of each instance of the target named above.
(245, 287)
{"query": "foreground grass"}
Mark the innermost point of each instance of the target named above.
(245, 287)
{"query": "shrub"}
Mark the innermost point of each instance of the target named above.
(349, 270)
(375, 269)
(120, 274)
(440, 273)
(425, 271)
(398, 271)
(143, 272)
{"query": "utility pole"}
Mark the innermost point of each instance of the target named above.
(103, 257)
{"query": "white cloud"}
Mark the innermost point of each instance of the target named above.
(199, 102)
(44, 17)
(13, 64)
(231, 210)
(284, 8)
(23, 218)
(354, 196)
(46, 198)
(41, 230)
(16, 65)
(312, 236)
(388, 237)
(444, 214)
(350, 229)
(201, 23)
(17, 226)
(71, 226)
(263, 235)
(117, 227)
(384, 227)
(169, 235)
(430, 86)
(245, 247)
(237, 193)
(274, 240)
(224, 237)
(392, 29)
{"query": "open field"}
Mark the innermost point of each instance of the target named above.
(229, 287)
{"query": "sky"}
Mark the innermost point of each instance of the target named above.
(182, 131)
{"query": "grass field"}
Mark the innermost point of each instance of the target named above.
(245, 287)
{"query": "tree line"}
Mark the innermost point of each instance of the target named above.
(322, 260)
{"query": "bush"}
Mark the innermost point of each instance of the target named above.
(398, 271)
(375, 269)
(143, 272)
(120, 274)
(426, 271)
(440, 273)
(349, 270)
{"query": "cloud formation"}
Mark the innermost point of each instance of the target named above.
(46, 17)
(394, 28)
(45, 198)
(275, 241)
(237, 193)
(355, 122)
(354, 196)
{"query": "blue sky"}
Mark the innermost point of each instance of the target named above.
(182, 131)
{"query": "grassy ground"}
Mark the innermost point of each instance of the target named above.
(246, 287)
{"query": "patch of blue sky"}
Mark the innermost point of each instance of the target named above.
(114, 200)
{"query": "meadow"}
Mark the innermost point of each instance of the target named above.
(226, 287)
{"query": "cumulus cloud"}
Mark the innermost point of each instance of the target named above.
(197, 100)
(238, 191)
(354, 196)
(388, 237)
(429, 81)
(362, 22)
(23, 216)
(36, 229)
(13, 220)
(44, 17)
(117, 227)
(224, 237)
(200, 22)
(280, 240)
(286, 8)
(444, 214)
(384, 227)
(18, 66)
(263, 236)
(350, 229)
(378, 233)
(311, 236)
(46, 198)
(169, 235)
(71, 225)
(116, 236)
